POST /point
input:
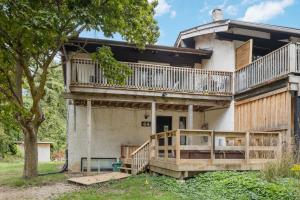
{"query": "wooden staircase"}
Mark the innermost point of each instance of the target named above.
(137, 161)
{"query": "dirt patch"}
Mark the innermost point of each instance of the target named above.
(42, 192)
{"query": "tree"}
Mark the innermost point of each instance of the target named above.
(32, 32)
(54, 107)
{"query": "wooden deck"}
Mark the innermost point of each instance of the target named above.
(181, 153)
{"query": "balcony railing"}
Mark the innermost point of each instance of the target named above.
(156, 78)
(273, 66)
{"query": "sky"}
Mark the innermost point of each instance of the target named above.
(174, 16)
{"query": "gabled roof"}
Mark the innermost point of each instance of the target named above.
(225, 25)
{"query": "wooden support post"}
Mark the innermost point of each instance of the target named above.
(153, 117)
(177, 146)
(89, 133)
(247, 144)
(156, 147)
(212, 148)
(190, 117)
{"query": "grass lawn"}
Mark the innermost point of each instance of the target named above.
(11, 174)
(212, 185)
(134, 187)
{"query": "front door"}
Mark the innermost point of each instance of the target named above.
(163, 123)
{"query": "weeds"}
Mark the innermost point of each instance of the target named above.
(281, 168)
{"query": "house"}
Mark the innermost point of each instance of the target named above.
(44, 150)
(224, 97)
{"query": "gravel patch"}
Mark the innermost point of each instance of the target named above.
(41, 192)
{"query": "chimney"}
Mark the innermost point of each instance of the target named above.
(217, 14)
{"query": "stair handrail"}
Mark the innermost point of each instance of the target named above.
(140, 158)
(138, 149)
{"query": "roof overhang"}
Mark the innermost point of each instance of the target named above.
(128, 52)
(242, 28)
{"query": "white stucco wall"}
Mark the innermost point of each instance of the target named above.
(221, 119)
(112, 127)
(223, 57)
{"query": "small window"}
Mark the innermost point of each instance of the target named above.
(98, 164)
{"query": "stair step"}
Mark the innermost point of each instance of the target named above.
(125, 168)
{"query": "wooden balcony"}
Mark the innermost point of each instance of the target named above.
(148, 77)
(274, 66)
(180, 153)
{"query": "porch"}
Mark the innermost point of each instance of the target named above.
(112, 127)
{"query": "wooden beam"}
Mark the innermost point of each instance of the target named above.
(223, 102)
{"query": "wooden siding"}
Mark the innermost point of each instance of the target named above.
(244, 54)
(269, 111)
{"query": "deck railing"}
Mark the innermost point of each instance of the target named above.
(156, 78)
(271, 67)
(202, 150)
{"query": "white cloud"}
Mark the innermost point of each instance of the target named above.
(163, 7)
(231, 10)
(266, 10)
(173, 14)
(228, 9)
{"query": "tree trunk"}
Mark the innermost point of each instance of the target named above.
(31, 153)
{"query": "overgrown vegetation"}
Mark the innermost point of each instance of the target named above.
(282, 168)
(54, 127)
(231, 185)
(211, 185)
(11, 174)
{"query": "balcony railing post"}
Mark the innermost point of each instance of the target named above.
(292, 58)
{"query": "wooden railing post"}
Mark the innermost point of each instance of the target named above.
(177, 146)
(166, 145)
